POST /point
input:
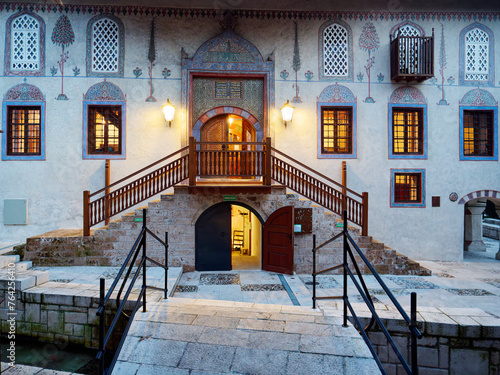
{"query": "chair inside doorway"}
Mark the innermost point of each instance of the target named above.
(245, 228)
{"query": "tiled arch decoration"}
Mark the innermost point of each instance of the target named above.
(407, 95)
(478, 97)
(479, 194)
(24, 92)
(105, 91)
(227, 53)
(226, 110)
(336, 94)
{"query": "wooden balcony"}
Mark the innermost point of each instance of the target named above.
(412, 58)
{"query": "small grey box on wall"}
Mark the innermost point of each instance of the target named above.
(15, 211)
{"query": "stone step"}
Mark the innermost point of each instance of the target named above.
(5, 260)
(23, 279)
(24, 265)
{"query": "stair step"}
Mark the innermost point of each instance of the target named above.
(24, 265)
(5, 260)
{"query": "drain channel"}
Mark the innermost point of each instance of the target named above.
(294, 299)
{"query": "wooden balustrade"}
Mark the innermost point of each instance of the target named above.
(412, 58)
(226, 159)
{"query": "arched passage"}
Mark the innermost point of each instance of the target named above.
(228, 235)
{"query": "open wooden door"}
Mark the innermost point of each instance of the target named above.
(278, 241)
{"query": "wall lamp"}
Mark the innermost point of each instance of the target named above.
(169, 112)
(287, 112)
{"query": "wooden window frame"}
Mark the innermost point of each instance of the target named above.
(421, 139)
(89, 151)
(325, 154)
(337, 128)
(419, 190)
(407, 134)
(493, 133)
(7, 149)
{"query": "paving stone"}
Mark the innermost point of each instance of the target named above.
(216, 321)
(157, 370)
(262, 325)
(325, 345)
(207, 357)
(157, 352)
(273, 340)
(260, 361)
(306, 364)
(224, 336)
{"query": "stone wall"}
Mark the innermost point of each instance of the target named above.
(177, 214)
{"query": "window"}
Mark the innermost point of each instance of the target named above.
(407, 131)
(336, 51)
(23, 130)
(104, 127)
(476, 55)
(407, 188)
(105, 46)
(25, 47)
(336, 130)
(478, 133)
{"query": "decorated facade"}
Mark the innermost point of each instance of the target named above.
(407, 101)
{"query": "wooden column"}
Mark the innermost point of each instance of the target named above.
(364, 228)
(267, 171)
(107, 182)
(86, 213)
(192, 161)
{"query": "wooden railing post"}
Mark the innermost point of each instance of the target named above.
(192, 161)
(107, 182)
(364, 227)
(86, 213)
(267, 174)
(344, 185)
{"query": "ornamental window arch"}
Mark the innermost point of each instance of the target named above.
(477, 65)
(25, 45)
(105, 46)
(335, 48)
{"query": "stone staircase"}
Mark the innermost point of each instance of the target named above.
(9, 258)
(176, 214)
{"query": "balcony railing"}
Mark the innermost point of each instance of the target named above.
(412, 58)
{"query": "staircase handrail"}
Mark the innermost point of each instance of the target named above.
(139, 171)
(317, 173)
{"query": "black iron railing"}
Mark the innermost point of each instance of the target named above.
(363, 291)
(106, 334)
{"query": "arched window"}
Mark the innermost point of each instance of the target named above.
(105, 46)
(25, 47)
(335, 48)
(406, 28)
(476, 55)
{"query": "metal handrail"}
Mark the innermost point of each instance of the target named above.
(363, 291)
(105, 337)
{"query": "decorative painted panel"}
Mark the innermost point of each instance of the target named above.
(478, 97)
(106, 91)
(406, 95)
(337, 94)
(24, 92)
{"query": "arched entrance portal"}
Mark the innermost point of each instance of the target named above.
(228, 128)
(228, 236)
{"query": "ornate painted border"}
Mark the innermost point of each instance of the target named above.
(104, 93)
(420, 204)
(121, 47)
(491, 57)
(7, 70)
(321, 57)
(407, 95)
(478, 97)
(337, 96)
(24, 95)
(199, 66)
(144, 11)
(228, 110)
(479, 194)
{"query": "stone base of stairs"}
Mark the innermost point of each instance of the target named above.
(177, 214)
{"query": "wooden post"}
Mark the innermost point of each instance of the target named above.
(107, 182)
(344, 185)
(192, 161)
(86, 213)
(267, 168)
(364, 228)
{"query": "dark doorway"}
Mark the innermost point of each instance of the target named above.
(278, 241)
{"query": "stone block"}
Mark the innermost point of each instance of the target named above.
(57, 299)
(428, 357)
(75, 317)
(444, 356)
(467, 361)
(55, 321)
(32, 312)
(431, 371)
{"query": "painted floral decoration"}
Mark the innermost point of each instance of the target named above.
(137, 72)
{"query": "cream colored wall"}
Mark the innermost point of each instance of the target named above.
(54, 187)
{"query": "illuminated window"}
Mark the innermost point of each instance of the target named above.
(407, 131)
(104, 127)
(478, 133)
(407, 188)
(23, 130)
(336, 130)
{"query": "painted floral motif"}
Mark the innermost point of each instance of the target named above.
(63, 36)
(407, 94)
(284, 74)
(380, 78)
(151, 58)
(309, 75)
(478, 97)
(336, 94)
(76, 71)
(360, 77)
(105, 91)
(24, 92)
(137, 72)
(166, 73)
(53, 71)
(369, 41)
(453, 197)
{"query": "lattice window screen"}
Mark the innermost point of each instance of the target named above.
(105, 46)
(335, 51)
(476, 55)
(408, 30)
(25, 45)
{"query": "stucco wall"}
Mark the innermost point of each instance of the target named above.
(54, 187)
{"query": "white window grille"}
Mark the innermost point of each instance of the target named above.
(105, 46)
(407, 30)
(408, 51)
(476, 55)
(25, 43)
(336, 51)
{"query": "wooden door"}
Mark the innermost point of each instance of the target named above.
(213, 239)
(278, 241)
